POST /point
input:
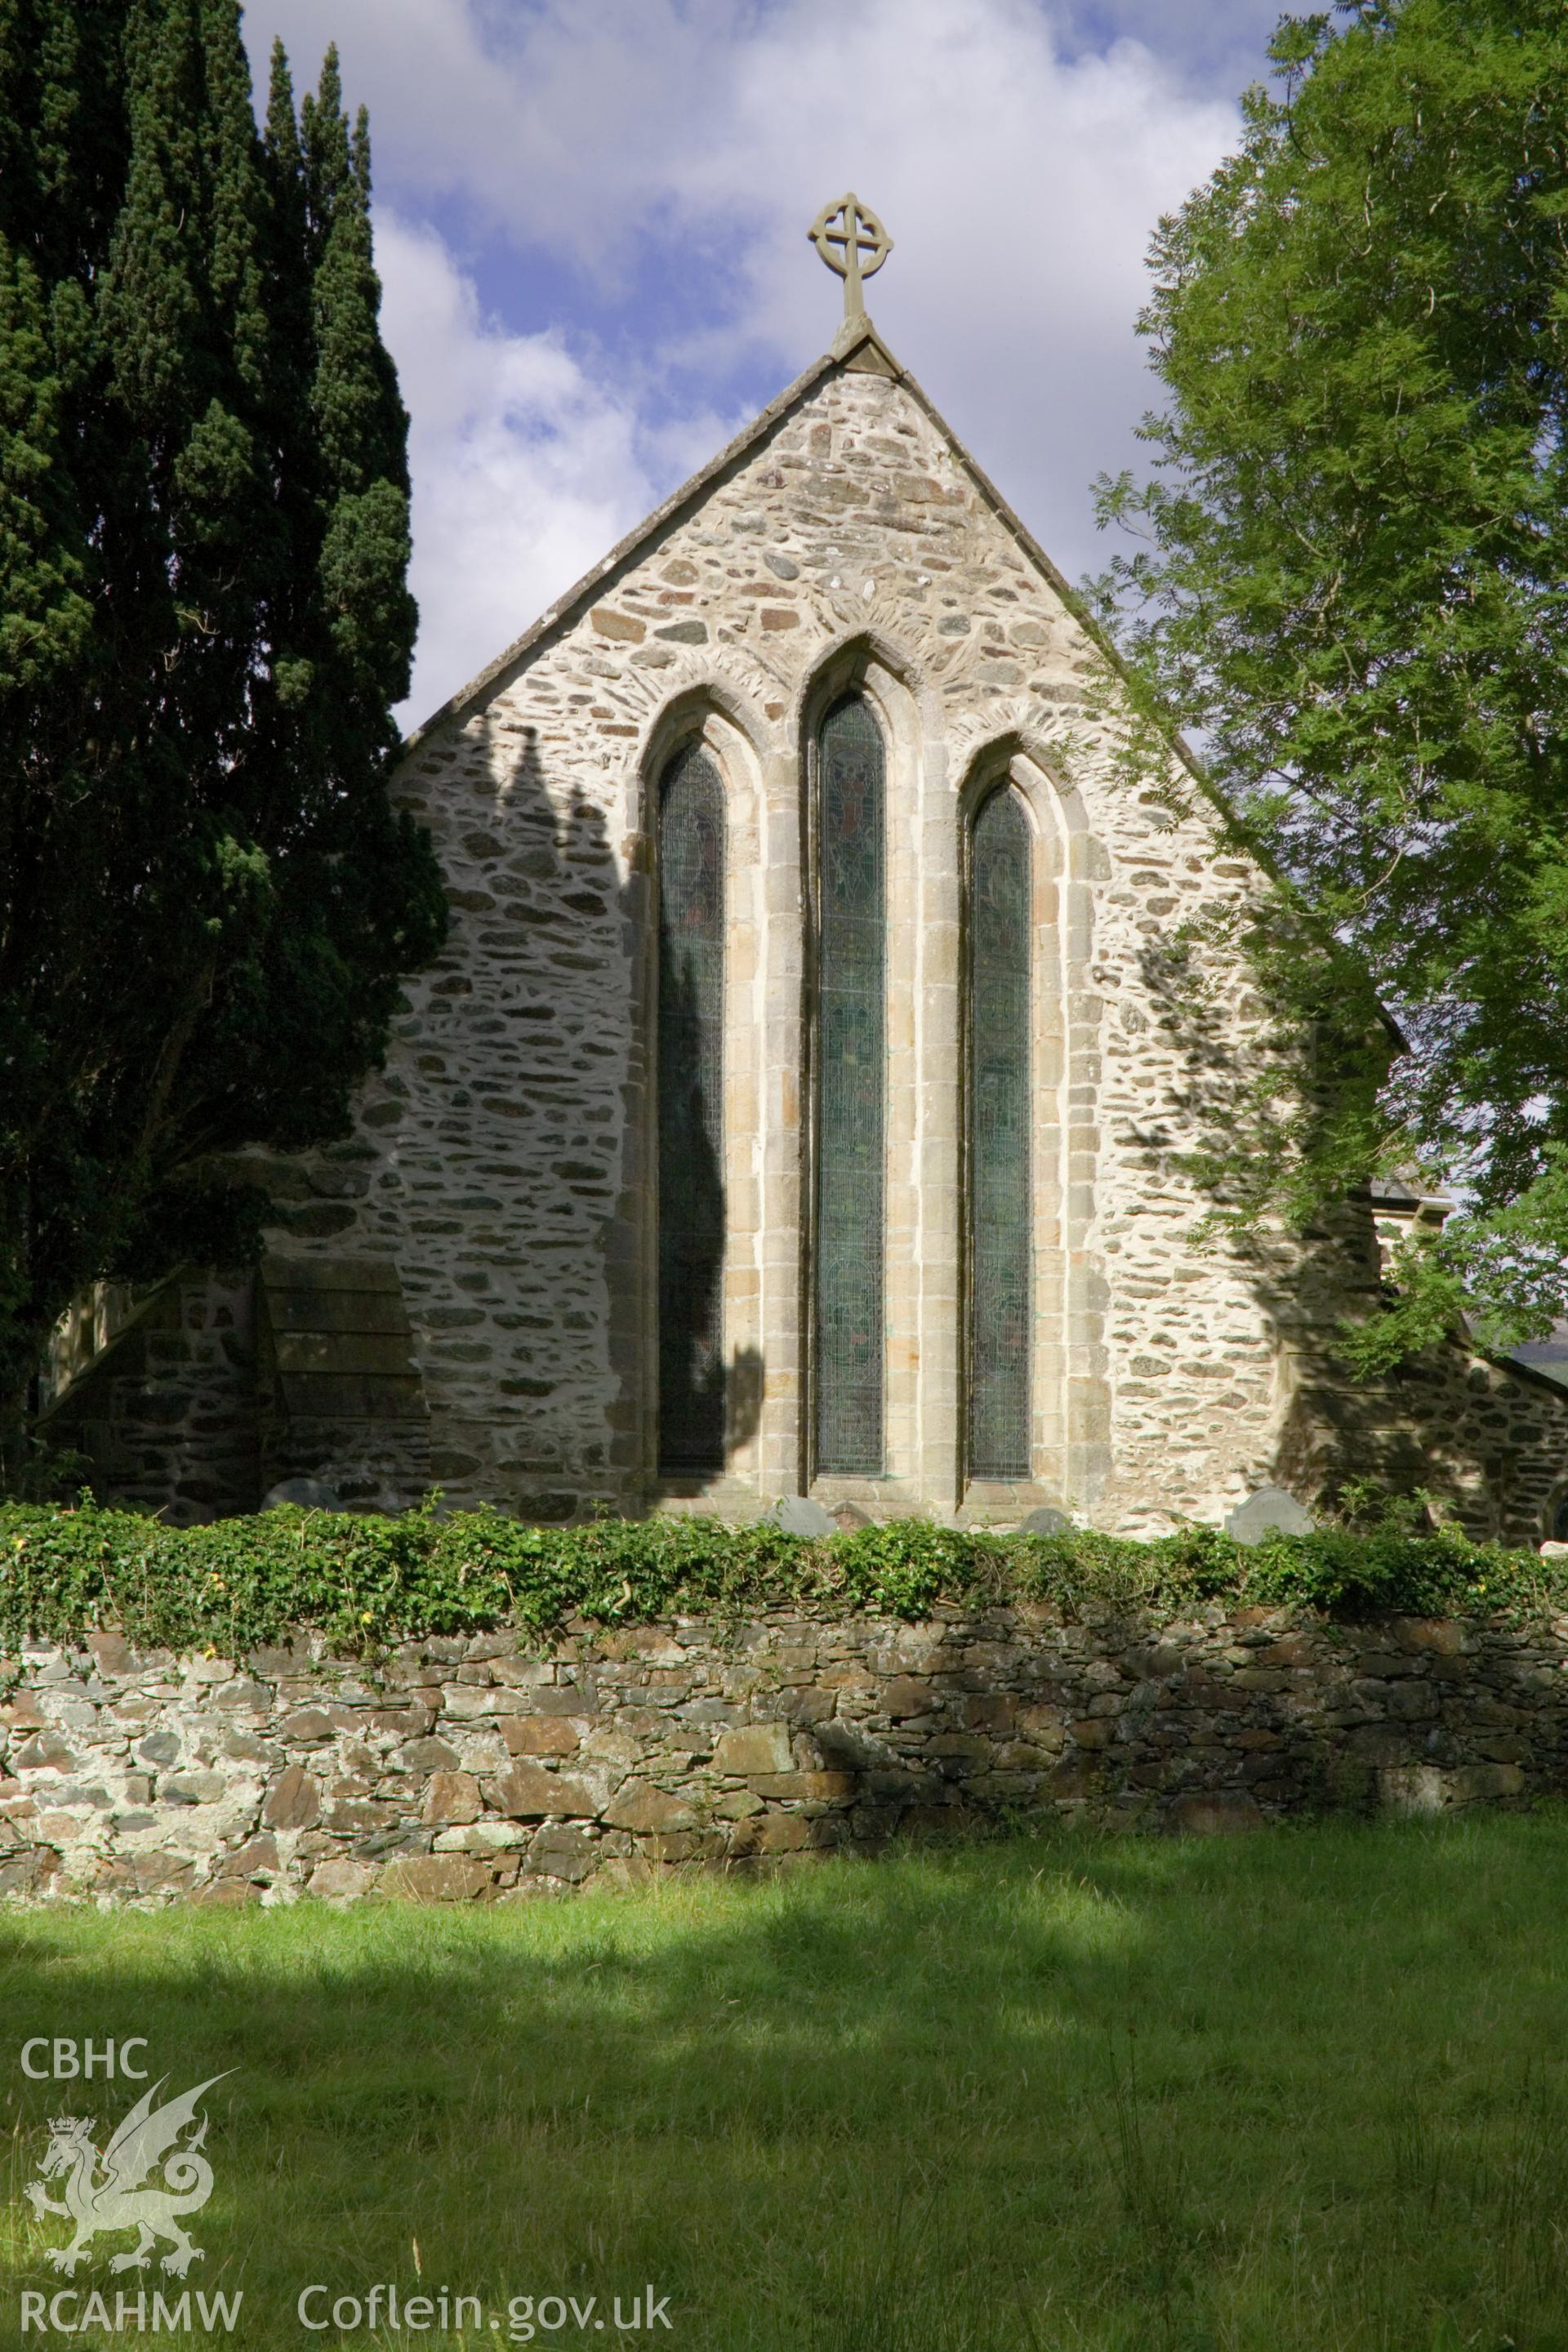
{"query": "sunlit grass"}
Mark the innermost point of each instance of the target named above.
(1303, 2090)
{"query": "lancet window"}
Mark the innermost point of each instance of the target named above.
(690, 1115)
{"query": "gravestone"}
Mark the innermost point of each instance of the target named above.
(305, 1493)
(799, 1515)
(1269, 1507)
(1045, 1522)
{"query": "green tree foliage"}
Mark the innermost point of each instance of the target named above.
(205, 897)
(1355, 584)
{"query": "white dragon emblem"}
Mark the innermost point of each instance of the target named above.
(145, 2139)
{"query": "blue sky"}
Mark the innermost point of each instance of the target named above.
(591, 221)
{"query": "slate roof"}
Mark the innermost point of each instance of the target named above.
(1548, 1357)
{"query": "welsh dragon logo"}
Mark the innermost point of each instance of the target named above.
(122, 2199)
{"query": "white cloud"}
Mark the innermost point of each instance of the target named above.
(1021, 191)
(525, 471)
(662, 160)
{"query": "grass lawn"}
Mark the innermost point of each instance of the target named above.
(1305, 2089)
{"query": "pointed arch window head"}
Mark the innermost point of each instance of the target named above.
(690, 1115)
(1000, 1182)
(848, 1348)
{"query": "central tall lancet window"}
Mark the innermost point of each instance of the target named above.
(690, 1115)
(852, 1084)
(1000, 1173)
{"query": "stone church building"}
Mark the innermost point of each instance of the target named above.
(797, 1107)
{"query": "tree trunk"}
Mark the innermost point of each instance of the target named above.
(15, 1438)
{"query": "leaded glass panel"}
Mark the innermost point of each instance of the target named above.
(1000, 1173)
(691, 1115)
(851, 1046)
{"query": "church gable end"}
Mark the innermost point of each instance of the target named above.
(848, 557)
(796, 1106)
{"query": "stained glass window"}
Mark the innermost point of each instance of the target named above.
(851, 1040)
(690, 1115)
(1000, 1175)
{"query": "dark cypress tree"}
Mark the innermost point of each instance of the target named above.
(206, 900)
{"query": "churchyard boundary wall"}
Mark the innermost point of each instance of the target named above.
(489, 1767)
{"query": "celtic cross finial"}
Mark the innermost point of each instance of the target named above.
(853, 243)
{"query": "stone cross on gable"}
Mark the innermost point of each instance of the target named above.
(853, 243)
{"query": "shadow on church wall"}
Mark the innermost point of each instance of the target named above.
(507, 1159)
(566, 951)
(1488, 1442)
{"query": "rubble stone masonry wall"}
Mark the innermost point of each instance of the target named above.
(479, 1769)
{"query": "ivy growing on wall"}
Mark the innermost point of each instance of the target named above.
(370, 1582)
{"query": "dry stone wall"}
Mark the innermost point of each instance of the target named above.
(481, 1769)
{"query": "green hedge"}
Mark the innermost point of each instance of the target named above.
(370, 1581)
